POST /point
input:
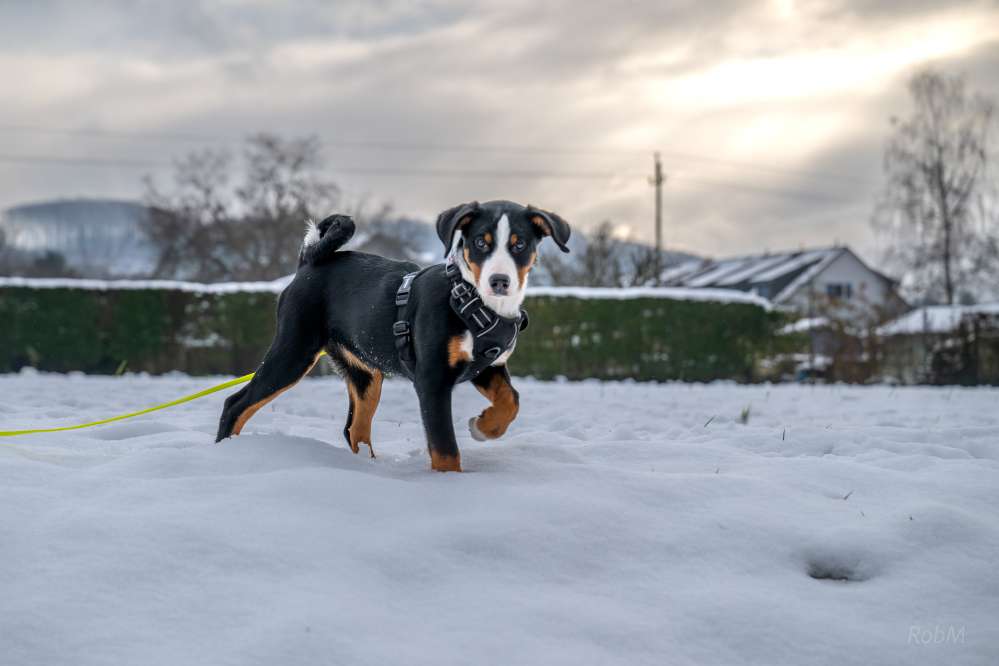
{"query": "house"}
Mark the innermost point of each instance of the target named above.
(830, 281)
(943, 344)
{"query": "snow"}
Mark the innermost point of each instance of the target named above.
(935, 319)
(616, 523)
(804, 325)
(276, 286)
(669, 293)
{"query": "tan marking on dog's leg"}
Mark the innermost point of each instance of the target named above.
(364, 411)
(443, 463)
(254, 408)
(363, 406)
(455, 354)
(351, 359)
(497, 417)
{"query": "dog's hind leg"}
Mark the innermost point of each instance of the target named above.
(288, 360)
(364, 386)
(494, 383)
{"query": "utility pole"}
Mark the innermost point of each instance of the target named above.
(657, 180)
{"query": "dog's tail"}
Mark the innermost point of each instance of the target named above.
(325, 238)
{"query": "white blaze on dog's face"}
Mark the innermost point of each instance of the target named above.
(495, 246)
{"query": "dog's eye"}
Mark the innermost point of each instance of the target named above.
(481, 244)
(518, 246)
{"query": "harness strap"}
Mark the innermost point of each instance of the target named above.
(401, 329)
(491, 334)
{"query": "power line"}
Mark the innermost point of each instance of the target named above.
(804, 195)
(769, 168)
(454, 173)
(410, 146)
(367, 144)
(47, 160)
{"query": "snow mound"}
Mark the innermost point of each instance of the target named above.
(615, 523)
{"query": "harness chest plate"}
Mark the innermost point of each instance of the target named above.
(492, 335)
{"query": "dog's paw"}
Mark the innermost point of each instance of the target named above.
(473, 428)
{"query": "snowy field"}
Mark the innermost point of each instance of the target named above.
(615, 523)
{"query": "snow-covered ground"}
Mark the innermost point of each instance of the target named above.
(615, 523)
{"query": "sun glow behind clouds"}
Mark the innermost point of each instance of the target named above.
(789, 108)
(859, 66)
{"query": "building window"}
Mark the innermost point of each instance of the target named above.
(839, 290)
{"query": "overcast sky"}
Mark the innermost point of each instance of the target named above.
(770, 116)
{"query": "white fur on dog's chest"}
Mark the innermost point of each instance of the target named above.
(468, 344)
(501, 359)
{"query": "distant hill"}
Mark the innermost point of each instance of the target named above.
(104, 238)
(96, 237)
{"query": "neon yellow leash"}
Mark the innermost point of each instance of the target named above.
(172, 403)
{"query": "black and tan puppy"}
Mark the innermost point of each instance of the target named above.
(346, 304)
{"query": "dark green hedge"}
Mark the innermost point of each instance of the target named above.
(159, 330)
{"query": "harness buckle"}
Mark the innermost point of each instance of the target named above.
(402, 294)
(461, 291)
(400, 328)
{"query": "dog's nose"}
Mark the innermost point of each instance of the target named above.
(499, 283)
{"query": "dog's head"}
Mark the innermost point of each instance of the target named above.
(495, 245)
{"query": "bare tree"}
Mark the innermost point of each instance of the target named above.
(646, 266)
(208, 228)
(598, 265)
(935, 163)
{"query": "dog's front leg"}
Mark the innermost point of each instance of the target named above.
(494, 383)
(435, 408)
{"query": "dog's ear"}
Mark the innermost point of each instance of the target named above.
(550, 224)
(453, 219)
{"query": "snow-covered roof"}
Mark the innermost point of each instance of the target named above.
(276, 286)
(814, 267)
(756, 270)
(749, 269)
(675, 274)
(715, 273)
(935, 319)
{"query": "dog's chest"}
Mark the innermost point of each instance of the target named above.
(468, 346)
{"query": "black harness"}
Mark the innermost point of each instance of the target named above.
(492, 335)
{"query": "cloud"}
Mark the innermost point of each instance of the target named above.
(770, 117)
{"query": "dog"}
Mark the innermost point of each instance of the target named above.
(439, 326)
